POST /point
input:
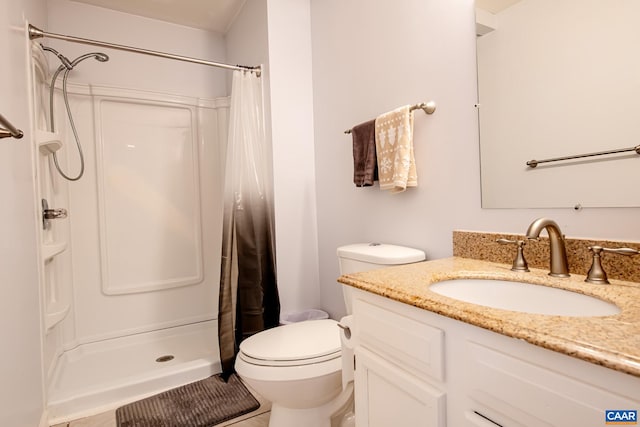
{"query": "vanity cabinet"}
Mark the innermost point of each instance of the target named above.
(399, 366)
(417, 368)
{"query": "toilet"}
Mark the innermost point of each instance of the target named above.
(299, 367)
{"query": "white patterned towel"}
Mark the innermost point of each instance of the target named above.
(394, 148)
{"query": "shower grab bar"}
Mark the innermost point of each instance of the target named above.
(9, 130)
(36, 33)
(427, 107)
(533, 163)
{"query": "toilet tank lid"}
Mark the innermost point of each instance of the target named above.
(380, 253)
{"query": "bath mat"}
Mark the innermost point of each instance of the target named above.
(200, 404)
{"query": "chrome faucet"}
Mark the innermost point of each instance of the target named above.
(559, 267)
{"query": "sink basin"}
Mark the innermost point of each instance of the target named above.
(524, 297)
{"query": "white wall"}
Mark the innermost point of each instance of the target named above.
(284, 47)
(133, 70)
(21, 387)
(370, 59)
(246, 41)
(293, 153)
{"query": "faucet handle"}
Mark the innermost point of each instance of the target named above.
(621, 251)
(596, 272)
(519, 263)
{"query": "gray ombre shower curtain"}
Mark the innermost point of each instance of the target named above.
(249, 300)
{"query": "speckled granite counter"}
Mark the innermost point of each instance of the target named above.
(612, 341)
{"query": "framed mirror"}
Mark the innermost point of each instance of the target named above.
(558, 78)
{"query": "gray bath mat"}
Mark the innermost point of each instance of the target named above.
(201, 404)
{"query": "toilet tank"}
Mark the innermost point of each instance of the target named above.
(370, 256)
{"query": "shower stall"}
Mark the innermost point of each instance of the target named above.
(130, 253)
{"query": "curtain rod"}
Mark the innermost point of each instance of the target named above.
(10, 130)
(36, 33)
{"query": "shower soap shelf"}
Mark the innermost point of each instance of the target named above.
(48, 142)
(56, 312)
(49, 250)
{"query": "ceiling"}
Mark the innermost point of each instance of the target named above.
(495, 6)
(212, 15)
(215, 15)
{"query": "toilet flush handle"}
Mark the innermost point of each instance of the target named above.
(346, 329)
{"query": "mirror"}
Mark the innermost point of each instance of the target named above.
(558, 78)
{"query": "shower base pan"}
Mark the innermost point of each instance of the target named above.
(102, 376)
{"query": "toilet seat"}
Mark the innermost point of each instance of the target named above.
(297, 344)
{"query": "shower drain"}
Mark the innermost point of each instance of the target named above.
(165, 358)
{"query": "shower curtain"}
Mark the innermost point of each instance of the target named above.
(249, 300)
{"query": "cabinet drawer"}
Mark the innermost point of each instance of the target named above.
(512, 391)
(400, 338)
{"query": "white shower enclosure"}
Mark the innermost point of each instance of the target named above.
(129, 279)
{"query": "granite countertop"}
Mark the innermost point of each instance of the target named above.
(611, 341)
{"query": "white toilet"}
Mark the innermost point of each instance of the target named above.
(298, 367)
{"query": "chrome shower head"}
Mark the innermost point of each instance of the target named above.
(99, 56)
(65, 61)
(102, 57)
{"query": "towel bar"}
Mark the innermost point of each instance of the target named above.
(10, 129)
(427, 107)
(533, 163)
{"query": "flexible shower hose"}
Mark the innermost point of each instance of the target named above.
(73, 126)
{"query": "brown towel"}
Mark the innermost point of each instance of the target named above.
(365, 165)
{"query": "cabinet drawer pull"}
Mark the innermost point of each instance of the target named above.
(487, 418)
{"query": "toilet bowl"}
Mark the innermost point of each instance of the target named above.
(299, 367)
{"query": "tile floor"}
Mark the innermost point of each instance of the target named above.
(257, 418)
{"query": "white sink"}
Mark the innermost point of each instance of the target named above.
(524, 297)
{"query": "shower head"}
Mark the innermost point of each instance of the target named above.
(69, 65)
(102, 57)
(65, 61)
(99, 56)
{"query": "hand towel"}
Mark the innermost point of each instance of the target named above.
(394, 147)
(365, 168)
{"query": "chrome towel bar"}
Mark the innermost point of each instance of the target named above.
(8, 130)
(533, 163)
(427, 107)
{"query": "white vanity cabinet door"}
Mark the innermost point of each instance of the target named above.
(386, 395)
